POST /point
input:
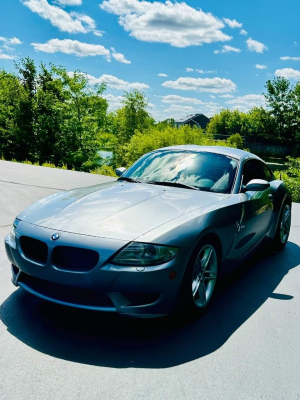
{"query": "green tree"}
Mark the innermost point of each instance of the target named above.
(84, 113)
(228, 122)
(10, 94)
(49, 100)
(281, 100)
(133, 116)
(25, 115)
(262, 124)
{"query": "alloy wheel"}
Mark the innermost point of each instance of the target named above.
(285, 224)
(204, 275)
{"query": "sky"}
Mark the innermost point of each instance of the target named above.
(188, 57)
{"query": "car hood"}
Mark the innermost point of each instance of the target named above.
(117, 210)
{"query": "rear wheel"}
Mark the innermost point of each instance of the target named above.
(200, 279)
(283, 228)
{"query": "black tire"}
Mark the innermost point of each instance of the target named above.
(283, 228)
(188, 303)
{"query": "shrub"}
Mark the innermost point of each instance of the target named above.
(142, 143)
(48, 165)
(291, 177)
(236, 141)
(104, 170)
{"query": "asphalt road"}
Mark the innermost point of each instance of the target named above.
(247, 346)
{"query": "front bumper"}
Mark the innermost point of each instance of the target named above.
(140, 292)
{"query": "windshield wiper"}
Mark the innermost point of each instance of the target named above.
(128, 179)
(175, 184)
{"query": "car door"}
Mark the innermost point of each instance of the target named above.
(258, 205)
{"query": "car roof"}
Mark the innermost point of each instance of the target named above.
(227, 151)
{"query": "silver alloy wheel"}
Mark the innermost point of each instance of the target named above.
(285, 224)
(204, 275)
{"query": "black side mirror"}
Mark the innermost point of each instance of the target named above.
(256, 185)
(120, 171)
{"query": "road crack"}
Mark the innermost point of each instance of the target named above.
(25, 184)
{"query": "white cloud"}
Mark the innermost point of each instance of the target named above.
(232, 23)
(212, 96)
(243, 32)
(261, 66)
(211, 109)
(173, 98)
(6, 56)
(69, 2)
(177, 102)
(69, 46)
(116, 83)
(119, 57)
(61, 19)
(98, 33)
(13, 40)
(6, 45)
(228, 49)
(286, 58)
(248, 101)
(200, 71)
(212, 85)
(254, 45)
(189, 69)
(288, 73)
(163, 75)
(227, 96)
(180, 108)
(114, 101)
(90, 23)
(177, 24)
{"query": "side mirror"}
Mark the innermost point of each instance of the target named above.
(256, 185)
(120, 171)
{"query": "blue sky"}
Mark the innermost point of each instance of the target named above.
(187, 57)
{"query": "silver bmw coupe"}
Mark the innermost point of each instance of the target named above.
(155, 240)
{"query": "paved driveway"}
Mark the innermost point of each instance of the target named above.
(247, 346)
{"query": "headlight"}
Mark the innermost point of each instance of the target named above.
(13, 230)
(145, 254)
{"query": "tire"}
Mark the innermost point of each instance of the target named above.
(283, 228)
(200, 279)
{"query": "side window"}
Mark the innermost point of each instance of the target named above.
(268, 174)
(253, 169)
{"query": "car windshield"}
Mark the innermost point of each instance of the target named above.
(199, 170)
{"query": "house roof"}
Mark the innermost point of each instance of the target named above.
(190, 117)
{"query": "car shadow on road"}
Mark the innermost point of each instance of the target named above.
(111, 341)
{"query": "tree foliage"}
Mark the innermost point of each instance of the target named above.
(278, 123)
(51, 117)
(46, 115)
(155, 138)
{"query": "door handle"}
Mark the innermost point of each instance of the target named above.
(270, 197)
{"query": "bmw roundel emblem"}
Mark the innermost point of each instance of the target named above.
(55, 236)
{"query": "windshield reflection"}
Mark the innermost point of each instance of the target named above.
(201, 170)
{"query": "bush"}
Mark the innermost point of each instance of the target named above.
(48, 165)
(142, 143)
(236, 141)
(104, 170)
(291, 177)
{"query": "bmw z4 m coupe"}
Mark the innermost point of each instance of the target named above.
(156, 239)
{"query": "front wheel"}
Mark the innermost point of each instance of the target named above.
(201, 276)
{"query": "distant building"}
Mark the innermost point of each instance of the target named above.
(199, 120)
